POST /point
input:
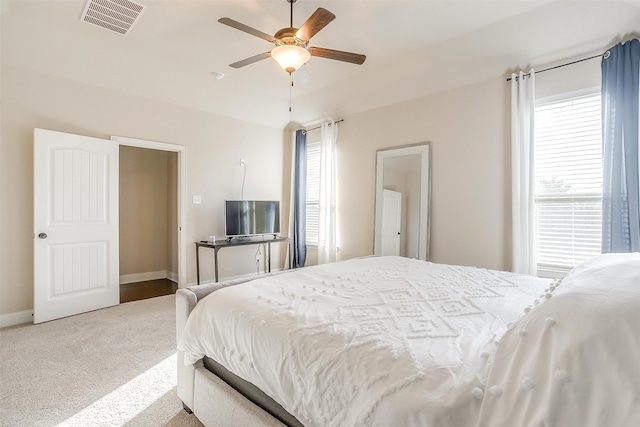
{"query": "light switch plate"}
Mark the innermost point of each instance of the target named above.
(197, 200)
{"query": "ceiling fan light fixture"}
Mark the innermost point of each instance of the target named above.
(290, 56)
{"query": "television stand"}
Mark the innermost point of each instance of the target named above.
(228, 243)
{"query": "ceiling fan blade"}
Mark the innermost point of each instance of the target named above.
(354, 58)
(247, 29)
(320, 18)
(250, 60)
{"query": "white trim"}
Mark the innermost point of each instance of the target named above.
(142, 277)
(182, 194)
(566, 95)
(17, 318)
(143, 143)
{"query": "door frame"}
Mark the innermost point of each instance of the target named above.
(181, 150)
(423, 152)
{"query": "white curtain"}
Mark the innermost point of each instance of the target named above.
(327, 245)
(522, 172)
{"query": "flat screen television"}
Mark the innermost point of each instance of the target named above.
(244, 218)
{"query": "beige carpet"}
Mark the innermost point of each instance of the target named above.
(110, 367)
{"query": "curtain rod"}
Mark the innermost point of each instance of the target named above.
(318, 127)
(569, 63)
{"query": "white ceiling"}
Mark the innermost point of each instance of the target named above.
(413, 48)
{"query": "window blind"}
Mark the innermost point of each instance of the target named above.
(313, 193)
(568, 183)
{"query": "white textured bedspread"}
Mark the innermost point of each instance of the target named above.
(372, 341)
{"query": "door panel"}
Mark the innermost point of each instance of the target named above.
(76, 266)
(79, 186)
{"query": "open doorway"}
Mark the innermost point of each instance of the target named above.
(148, 223)
(152, 246)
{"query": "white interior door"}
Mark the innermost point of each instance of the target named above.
(391, 222)
(76, 265)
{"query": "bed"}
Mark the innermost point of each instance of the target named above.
(391, 341)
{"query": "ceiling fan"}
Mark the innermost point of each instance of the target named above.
(291, 49)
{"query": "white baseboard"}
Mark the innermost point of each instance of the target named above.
(26, 316)
(17, 318)
(142, 277)
(172, 276)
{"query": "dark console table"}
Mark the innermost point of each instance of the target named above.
(234, 243)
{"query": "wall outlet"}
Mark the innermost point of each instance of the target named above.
(242, 162)
(258, 263)
(197, 200)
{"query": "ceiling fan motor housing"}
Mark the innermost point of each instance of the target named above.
(288, 36)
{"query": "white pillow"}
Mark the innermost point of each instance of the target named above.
(573, 360)
(606, 271)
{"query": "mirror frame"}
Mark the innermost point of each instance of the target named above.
(424, 234)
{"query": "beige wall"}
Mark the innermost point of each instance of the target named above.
(574, 78)
(148, 215)
(214, 144)
(468, 128)
(469, 131)
(470, 205)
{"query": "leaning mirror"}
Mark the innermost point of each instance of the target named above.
(402, 203)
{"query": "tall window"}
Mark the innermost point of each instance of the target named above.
(568, 182)
(313, 192)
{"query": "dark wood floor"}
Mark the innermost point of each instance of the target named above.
(148, 289)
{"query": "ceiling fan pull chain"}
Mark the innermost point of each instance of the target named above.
(290, 88)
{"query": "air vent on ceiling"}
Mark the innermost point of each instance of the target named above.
(115, 15)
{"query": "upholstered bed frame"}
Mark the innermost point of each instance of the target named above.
(204, 387)
(554, 371)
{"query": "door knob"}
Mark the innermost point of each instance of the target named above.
(42, 235)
